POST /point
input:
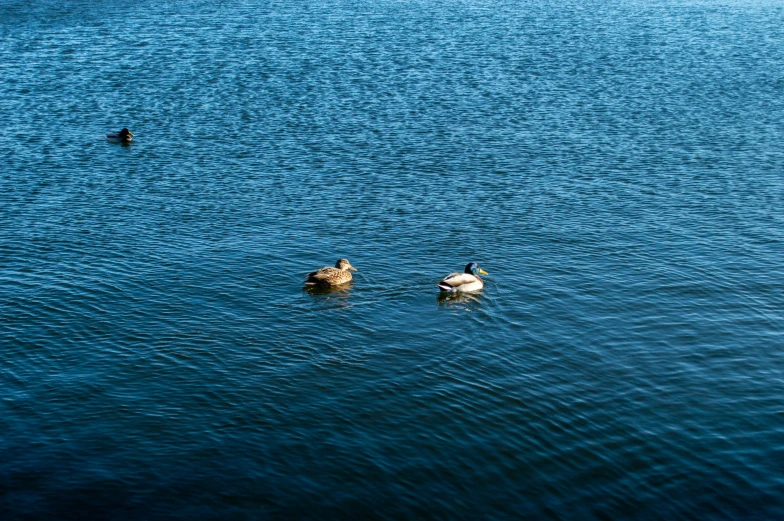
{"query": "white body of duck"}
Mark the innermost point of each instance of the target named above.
(330, 277)
(463, 282)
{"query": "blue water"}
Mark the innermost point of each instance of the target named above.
(616, 167)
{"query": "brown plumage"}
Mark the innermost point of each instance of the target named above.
(330, 276)
(124, 136)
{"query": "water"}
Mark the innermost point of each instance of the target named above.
(615, 167)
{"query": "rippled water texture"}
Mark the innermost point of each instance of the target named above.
(615, 166)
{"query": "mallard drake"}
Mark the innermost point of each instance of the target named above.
(330, 276)
(123, 136)
(460, 282)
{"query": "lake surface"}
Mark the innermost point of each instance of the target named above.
(616, 167)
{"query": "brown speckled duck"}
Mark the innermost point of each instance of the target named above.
(329, 276)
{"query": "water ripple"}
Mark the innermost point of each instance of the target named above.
(615, 167)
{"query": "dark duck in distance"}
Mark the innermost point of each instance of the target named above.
(123, 136)
(330, 277)
(463, 282)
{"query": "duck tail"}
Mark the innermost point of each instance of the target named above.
(445, 286)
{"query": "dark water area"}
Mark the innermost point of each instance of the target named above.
(616, 167)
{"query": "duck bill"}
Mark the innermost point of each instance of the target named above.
(131, 133)
(483, 272)
(352, 268)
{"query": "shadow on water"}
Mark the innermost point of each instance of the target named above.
(466, 301)
(345, 289)
(338, 295)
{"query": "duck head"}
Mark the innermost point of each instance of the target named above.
(474, 269)
(344, 264)
(126, 134)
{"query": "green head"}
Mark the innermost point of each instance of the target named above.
(474, 269)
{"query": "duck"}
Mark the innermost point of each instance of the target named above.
(330, 277)
(123, 136)
(463, 282)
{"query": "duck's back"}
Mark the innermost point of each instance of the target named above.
(460, 282)
(328, 276)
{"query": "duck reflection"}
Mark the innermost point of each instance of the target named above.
(338, 295)
(462, 300)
